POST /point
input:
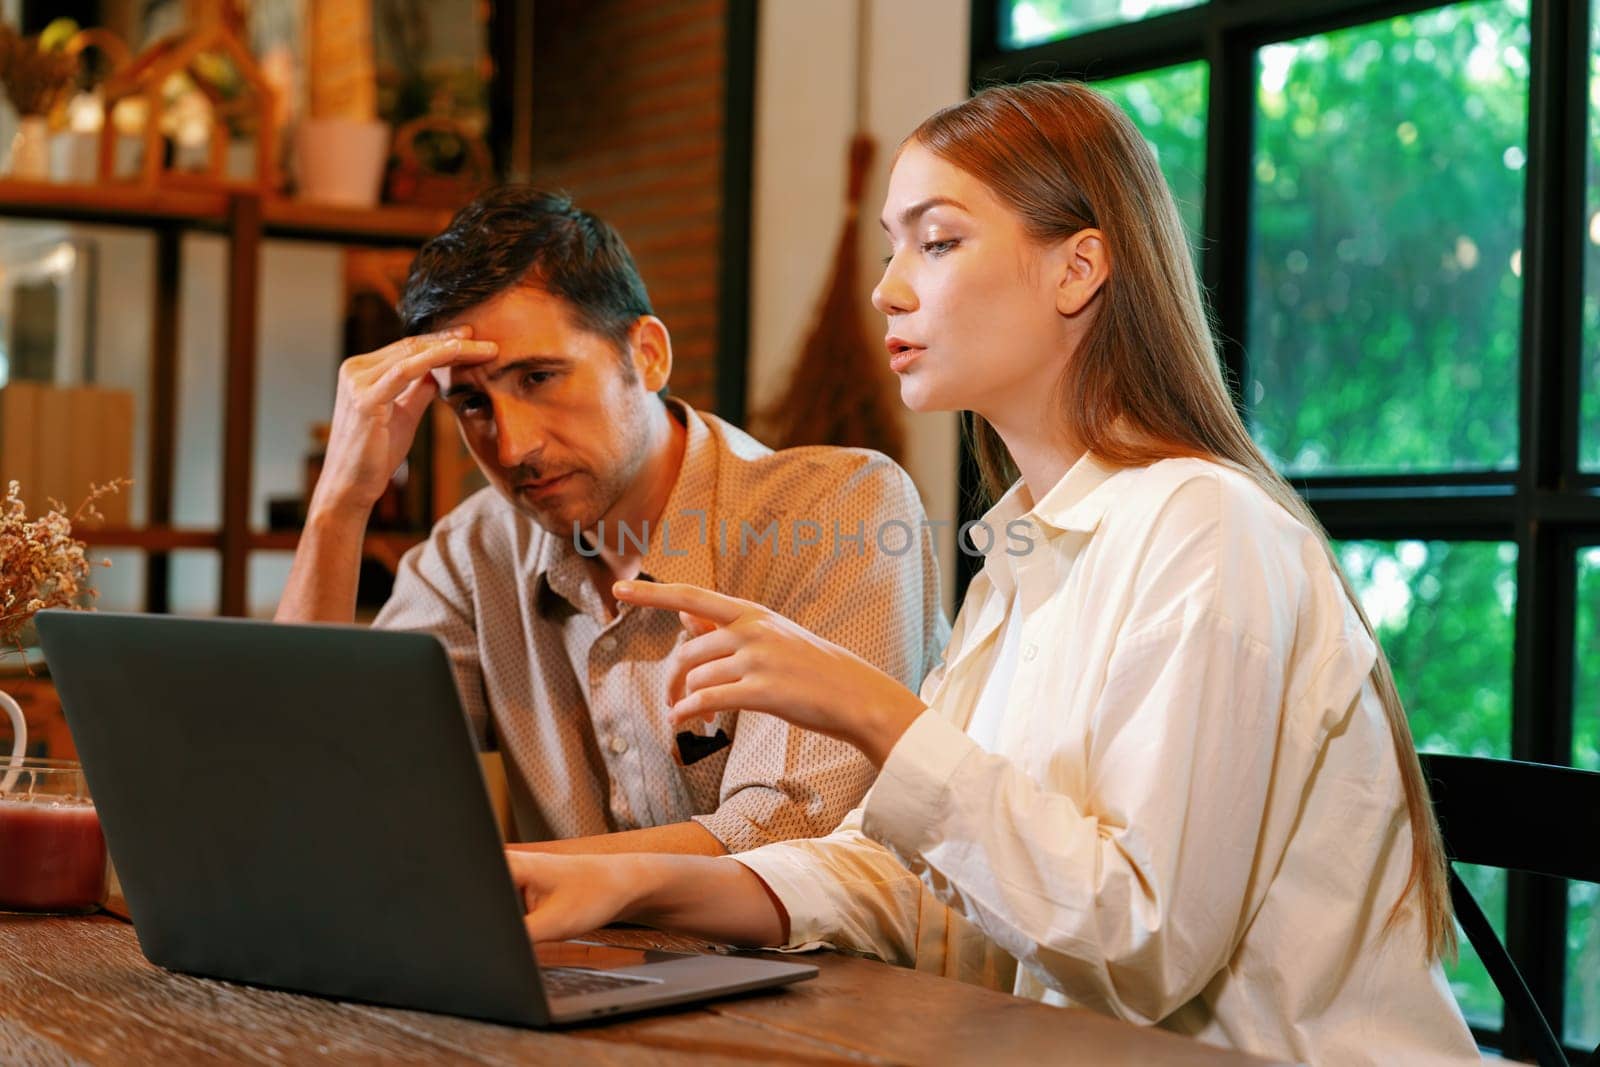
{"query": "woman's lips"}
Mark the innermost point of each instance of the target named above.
(902, 353)
(902, 359)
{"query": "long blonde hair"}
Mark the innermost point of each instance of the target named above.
(1146, 383)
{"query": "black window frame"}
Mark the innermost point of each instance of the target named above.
(1548, 506)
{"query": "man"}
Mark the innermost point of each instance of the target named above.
(528, 317)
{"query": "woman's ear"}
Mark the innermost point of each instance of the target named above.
(1087, 264)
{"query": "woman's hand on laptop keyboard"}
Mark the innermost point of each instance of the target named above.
(567, 896)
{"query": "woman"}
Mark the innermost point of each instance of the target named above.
(1163, 772)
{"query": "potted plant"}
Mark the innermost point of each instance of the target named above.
(35, 79)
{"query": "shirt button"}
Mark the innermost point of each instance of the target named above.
(619, 744)
(608, 644)
(1030, 651)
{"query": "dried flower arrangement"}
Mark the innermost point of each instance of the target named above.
(35, 78)
(41, 564)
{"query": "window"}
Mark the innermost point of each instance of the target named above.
(1029, 22)
(1583, 901)
(1590, 443)
(1386, 242)
(1169, 107)
(1389, 201)
(1443, 612)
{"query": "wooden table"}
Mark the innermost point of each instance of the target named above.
(79, 991)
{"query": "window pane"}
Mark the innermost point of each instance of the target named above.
(1443, 612)
(1386, 240)
(1169, 107)
(195, 582)
(1474, 990)
(119, 587)
(1583, 900)
(1582, 1027)
(1029, 22)
(1586, 665)
(1589, 440)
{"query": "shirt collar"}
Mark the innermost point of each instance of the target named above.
(1079, 500)
(1075, 504)
(684, 554)
(681, 541)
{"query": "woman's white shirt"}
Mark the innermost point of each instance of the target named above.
(1188, 809)
(990, 714)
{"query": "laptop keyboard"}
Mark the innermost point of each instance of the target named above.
(577, 981)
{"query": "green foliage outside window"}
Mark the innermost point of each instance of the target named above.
(1169, 107)
(1583, 900)
(1582, 1020)
(1586, 667)
(1029, 22)
(1385, 288)
(1444, 612)
(1589, 406)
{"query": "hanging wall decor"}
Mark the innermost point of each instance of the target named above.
(839, 392)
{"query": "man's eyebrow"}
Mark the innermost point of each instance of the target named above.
(523, 365)
(530, 363)
(917, 210)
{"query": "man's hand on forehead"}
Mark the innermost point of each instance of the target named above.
(381, 398)
(467, 357)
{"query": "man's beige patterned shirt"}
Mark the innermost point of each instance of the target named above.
(833, 538)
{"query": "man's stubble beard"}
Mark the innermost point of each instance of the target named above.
(600, 496)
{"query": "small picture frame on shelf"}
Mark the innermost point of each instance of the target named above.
(47, 311)
(60, 433)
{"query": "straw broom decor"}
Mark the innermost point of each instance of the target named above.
(839, 392)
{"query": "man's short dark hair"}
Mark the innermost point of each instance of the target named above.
(517, 235)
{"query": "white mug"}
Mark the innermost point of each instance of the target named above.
(19, 728)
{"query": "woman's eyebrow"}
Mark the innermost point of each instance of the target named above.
(911, 214)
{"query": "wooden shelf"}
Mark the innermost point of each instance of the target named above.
(126, 205)
(390, 224)
(245, 218)
(207, 209)
(387, 540)
(382, 545)
(150, 538)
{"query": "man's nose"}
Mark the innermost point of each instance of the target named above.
(519, 433)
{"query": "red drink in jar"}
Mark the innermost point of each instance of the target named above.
(52, 853)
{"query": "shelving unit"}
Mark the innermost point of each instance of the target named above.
(245, 218)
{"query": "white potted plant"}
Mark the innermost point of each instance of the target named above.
(35, 80)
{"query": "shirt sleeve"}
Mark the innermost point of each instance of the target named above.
(1130, 894)
(781, 782)
(432, 595)
(848, 893)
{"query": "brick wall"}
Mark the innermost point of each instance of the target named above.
(628, 118)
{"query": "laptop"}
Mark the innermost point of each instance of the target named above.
(302, 807)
